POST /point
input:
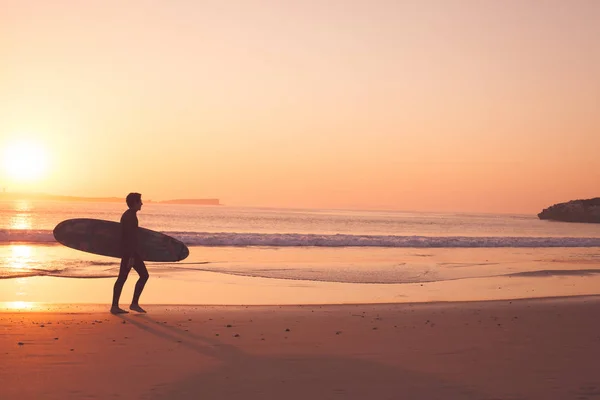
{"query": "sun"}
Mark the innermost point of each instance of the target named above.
(25, 161)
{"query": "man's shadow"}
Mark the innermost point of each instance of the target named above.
(292, 376)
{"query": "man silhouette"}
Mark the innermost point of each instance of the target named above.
(130, 256)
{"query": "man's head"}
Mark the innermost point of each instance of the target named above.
(134, 201)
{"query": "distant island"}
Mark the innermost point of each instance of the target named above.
(587, 210)
(204, 202)
(51, 197)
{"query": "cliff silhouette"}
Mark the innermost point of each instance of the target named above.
(586, 210)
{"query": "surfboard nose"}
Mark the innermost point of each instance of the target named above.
(58, 228)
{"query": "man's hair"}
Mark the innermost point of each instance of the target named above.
(133, 198)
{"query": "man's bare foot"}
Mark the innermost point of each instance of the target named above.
(118, 310)
(136, 307)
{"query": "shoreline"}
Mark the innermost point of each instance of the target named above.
(264, 276)
(214, 289)
(9, 307)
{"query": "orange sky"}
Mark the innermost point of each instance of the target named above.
(412, 105)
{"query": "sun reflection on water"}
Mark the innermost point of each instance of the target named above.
(22, 217)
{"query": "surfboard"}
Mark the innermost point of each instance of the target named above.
(104, 238)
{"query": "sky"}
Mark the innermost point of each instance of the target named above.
(425, 105)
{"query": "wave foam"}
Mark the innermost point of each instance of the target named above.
(26, 235)
(339, 240)
(298, 240)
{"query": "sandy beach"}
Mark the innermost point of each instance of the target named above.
(509, 349)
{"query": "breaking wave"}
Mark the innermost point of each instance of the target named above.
(338, 240)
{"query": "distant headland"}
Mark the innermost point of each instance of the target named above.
(51, 197)
(587, 210)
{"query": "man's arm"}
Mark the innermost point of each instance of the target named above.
(128, 241)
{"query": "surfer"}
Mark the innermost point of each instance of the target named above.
(130, 256)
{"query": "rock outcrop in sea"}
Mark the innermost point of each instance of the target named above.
(574, 211)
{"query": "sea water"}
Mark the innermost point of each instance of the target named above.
(359, 247)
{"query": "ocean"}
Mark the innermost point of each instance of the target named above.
(304, 246)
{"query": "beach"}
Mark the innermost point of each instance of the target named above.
(510, 349)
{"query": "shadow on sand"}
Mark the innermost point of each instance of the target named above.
(292, 377)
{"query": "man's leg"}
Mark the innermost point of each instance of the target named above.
(118, 288)
(142, 271)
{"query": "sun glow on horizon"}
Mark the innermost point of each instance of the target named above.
(25, 161)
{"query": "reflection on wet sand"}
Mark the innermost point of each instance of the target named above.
(18, 306)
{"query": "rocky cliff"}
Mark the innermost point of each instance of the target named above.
(574, 211)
